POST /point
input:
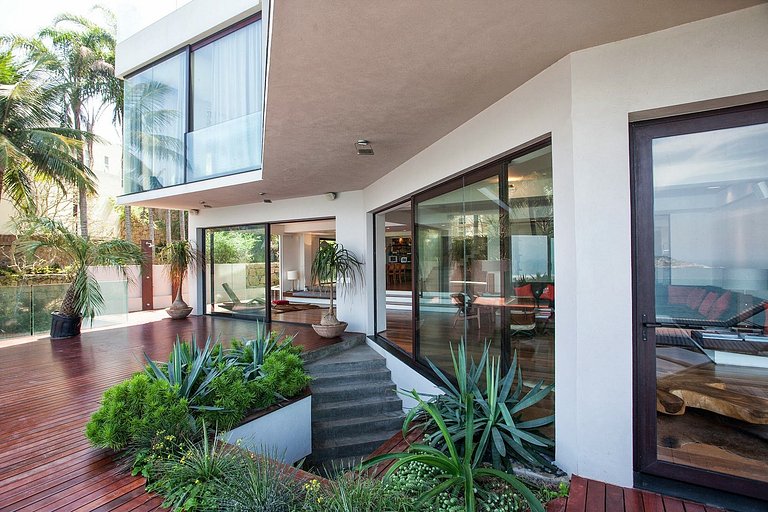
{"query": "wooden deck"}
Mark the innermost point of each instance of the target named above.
(585, 496)
(49, 389)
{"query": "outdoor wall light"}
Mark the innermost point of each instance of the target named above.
(364, 147)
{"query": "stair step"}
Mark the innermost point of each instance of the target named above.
(360, 358)
(370, 375)
(366, 407)
(344, 392)
(389, 421)
(348, 446)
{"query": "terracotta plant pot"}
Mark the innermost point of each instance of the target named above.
(330, 331)
(63, 326)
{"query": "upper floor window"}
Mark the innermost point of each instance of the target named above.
(227, 99)
(197, 114)
(154, 126)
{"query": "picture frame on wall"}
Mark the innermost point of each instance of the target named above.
(393, 259)
(404, 259)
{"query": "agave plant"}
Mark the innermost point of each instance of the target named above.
(498, 409)
(250, 354)
(190, 370)
(459, 473)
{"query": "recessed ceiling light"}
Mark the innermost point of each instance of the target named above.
(262, 193)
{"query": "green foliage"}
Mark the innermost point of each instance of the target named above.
(180, 256)
(263, 484)
(335, 263)
(238, 247)
(459, 474)
(351, 492)
(284, 373)
(250, 354)
(190, 479)
(498, 409)
(190, 370)
(84, 294)
(133, 411)
(228, 399)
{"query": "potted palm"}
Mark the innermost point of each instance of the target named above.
(180, 256)
(83, 298)
(333, 263)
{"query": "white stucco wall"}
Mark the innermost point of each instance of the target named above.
(585, 101)
(351, 228)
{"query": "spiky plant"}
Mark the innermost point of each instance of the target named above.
(180, 256)
(334, 264)
(83, 297)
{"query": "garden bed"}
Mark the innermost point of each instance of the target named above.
(283, 429)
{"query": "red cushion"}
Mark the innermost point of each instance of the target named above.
(707, 303)
(548, 293)
(280, 302)
(678, 294)
(695, 296)
(524, 291)
(720, 306)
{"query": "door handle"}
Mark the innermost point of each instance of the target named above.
(646, 325)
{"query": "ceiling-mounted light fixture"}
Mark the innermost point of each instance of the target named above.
(268, 201)
(262, 193)
(364, 147)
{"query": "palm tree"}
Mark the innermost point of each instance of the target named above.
(32, 144)
(180, 256)
(83, 297)
(80, 54)
(332, 263)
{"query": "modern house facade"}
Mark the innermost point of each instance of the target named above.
(580, 186)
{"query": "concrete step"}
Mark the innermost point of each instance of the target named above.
(357, 359)
(356, 409)
(388, 421)
(348, 446)
(348, 341)
(352, 378)
(342, 391)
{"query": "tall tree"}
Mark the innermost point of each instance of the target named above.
(80, 55)
(33, 145)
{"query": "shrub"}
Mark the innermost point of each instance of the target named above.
(133, 411)
(498, 409)
(228, 399)
(460, 475)
(351, 492)
(251, 354)
(263, 484)
(284, 373)
(190, 370)
(190, 479)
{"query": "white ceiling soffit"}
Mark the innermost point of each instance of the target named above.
(403, 74)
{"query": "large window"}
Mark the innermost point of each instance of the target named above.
(477, 265)
(168, 144)
(155, 122)
(227, 96)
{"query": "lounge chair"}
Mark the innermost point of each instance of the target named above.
(237, 305)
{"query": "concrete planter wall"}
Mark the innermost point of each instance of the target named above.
(284, 433)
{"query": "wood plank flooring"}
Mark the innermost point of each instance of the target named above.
(49, 389)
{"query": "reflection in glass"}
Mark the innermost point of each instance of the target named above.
(227, 98)
(711, 262)
(236, 270)
(154, 126)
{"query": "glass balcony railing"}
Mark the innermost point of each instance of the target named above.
(225, 148)
(26, 309)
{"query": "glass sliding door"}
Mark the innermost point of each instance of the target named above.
(701, 280)
(394, 275)
(458, 237)
(530, 278)
(236, 271)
